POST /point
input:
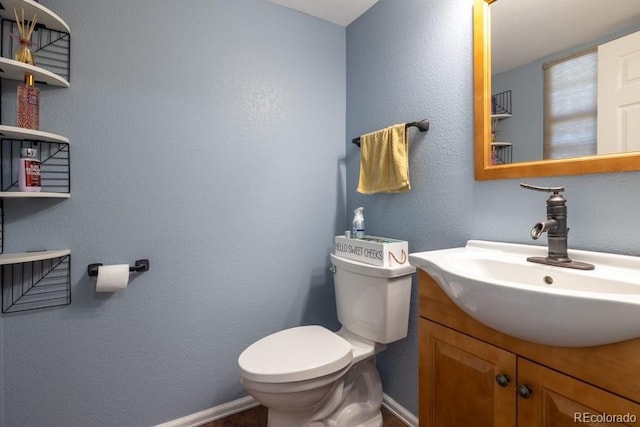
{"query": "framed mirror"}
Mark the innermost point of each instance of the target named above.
(486, 118)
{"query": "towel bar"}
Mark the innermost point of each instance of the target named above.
(422, 125)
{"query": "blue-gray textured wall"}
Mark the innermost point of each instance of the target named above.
(413, 59)
(407, 61)
(207, 136)
(244, 253)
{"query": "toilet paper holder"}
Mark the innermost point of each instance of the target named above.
(140, 266)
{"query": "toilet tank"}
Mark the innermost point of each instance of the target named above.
(373, 302)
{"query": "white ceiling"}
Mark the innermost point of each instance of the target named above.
(521, 30)
(341, 12)
(525, 30)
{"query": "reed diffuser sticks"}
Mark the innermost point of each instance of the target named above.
(25, 30)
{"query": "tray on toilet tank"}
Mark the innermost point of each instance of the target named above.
(373, 250)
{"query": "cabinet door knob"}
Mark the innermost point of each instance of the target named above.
(503, 380)
(524, 391)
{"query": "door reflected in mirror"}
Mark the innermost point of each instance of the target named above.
(551, 101)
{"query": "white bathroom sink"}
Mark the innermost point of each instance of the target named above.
(495, 284)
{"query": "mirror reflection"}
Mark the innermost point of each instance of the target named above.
(562, 79)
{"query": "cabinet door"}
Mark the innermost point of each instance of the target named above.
(557, 400)
(458, 385)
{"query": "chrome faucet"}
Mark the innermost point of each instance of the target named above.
(557, 231)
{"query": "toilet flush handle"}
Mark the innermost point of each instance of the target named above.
(332, 269)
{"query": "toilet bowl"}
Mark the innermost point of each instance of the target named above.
(311, 376)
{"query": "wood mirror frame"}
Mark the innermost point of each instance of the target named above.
(484, 170)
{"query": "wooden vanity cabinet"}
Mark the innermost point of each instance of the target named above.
(457, 380)
(558, 400)
(472, 375)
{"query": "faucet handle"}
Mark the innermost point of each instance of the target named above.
(554, 190)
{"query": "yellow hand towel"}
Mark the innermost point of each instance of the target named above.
(384, 161)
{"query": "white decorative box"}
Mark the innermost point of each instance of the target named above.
(373, 250)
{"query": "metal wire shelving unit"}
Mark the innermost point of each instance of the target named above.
(34, 280)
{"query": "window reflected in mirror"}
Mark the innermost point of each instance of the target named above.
(570, 92)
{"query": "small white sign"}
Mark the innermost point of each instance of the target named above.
(373, 250)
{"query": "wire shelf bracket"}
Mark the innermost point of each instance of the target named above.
(501, 103)
(33, 285)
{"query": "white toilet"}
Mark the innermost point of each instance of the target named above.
(310, 376)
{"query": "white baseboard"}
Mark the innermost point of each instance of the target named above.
(212, 414)
(248, 402)
(399, 411)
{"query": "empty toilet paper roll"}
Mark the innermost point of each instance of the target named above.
(112, 278)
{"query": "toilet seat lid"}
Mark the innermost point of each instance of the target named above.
(295, 354)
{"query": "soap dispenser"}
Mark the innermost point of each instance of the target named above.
(358, 223)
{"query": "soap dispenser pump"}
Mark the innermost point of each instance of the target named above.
(358, 223)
